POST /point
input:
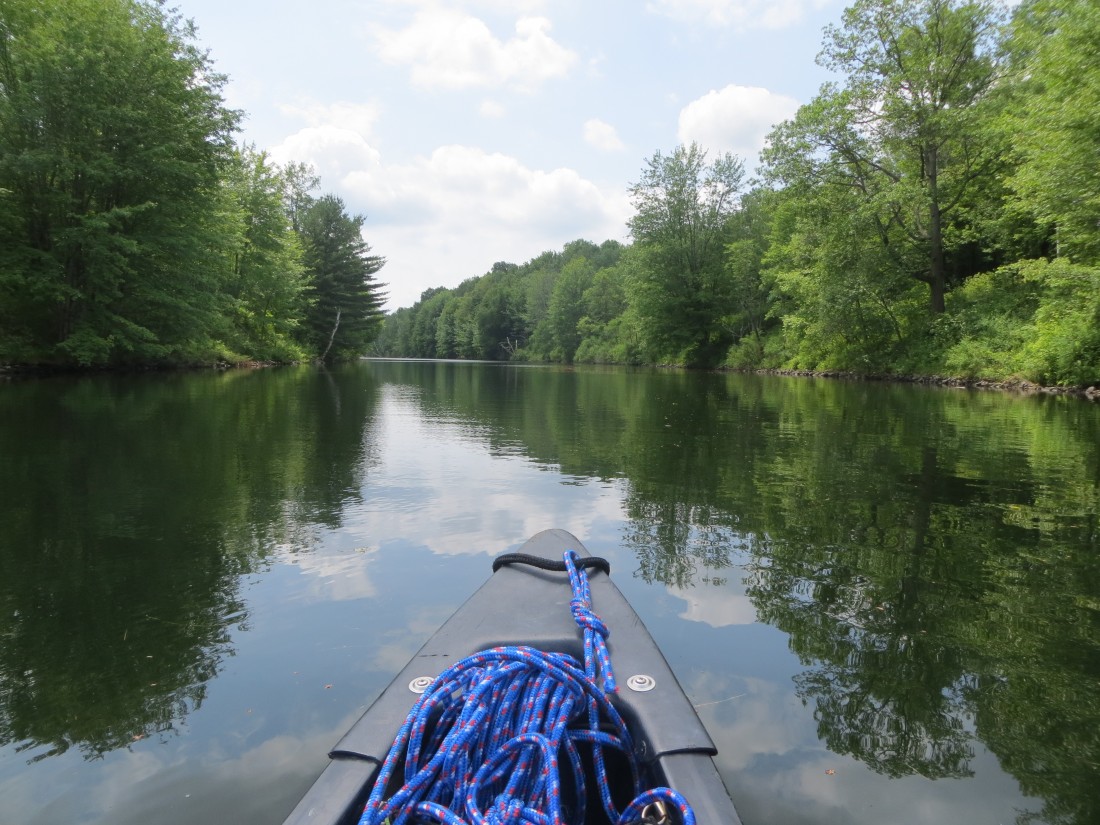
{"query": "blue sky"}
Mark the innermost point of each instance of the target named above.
(476, 131)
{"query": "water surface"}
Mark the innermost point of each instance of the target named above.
(884, 600)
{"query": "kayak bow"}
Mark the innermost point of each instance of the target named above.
(529, 602)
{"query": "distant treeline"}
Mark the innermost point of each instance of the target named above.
(936, 211)
(133, 230)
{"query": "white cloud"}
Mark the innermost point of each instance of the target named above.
(355, 117)
(464, 518)
(501, 6)
(445, 217)
(469, 188)
(334, 151)
(742, 14)
(735, 119)
(336, 577)
(717, 606)
(602, 135)
(491, 108)
(450, 49)
(473, 208)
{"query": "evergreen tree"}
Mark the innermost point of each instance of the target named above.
(345, 309)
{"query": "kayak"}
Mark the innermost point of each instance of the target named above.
(522, 604)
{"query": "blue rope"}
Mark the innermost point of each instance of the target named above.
(490, 740)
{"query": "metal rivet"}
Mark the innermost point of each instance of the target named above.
(420, 684)
(640, 682)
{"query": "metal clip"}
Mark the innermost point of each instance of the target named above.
(655, 813)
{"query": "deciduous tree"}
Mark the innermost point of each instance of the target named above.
(681, 225)
(567, 307)
(1054, 120)
(267, 275)
(902, 131)
(112, 135)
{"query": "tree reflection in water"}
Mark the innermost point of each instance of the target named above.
(933, 557)
(117, 606)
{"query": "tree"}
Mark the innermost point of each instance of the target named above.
(112, 135)
(683, 208)
(841, 291)
(345, 312)
(393, 338)
(744, 266)
(1054, 120)
(425, 327)
(299, 180)
(499, 324)
(542, 272)
(902, 133)
(267, 273)
(567, 307)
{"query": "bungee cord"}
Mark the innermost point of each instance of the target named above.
(493, 737)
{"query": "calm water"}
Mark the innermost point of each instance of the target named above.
(885, 601)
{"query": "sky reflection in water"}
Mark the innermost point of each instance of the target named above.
(800, 550)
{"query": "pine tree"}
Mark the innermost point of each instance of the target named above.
(345, 309)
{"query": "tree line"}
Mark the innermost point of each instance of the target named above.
(133, 229)
(933, 211)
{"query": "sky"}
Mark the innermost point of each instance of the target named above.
(474, 131)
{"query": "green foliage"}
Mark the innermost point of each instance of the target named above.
(543, 310)
(989, 321)
(112, 137)
(1036, 320)
(610, 329)
(749, 285)
(499, 325)
(681, 227)
(1053, 118)
(567, 307)
(909, 212)
(1066, 345)
(345, 299)
(268, 278)
(131, 229)
(944, 171)
(838, 290)
(901, 138)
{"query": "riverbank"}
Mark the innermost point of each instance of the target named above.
(10, 371)
(1091, 393)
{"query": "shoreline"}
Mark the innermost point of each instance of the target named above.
(1008, 385)
(1016, 386)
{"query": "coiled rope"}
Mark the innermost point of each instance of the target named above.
(489, 742)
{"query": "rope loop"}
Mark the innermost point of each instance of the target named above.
(507, 736)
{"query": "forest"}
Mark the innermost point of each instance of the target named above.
(134, 231)
(934, 212)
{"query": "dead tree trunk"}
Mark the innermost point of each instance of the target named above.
(332, 337)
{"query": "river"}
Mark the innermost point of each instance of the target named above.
(884, 600)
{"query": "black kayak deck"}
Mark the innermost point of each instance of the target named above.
(522, 605)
